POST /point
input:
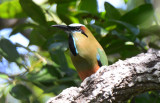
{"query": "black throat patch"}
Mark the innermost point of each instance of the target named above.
(72, 45)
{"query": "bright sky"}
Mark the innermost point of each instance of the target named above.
(115, 3)
(17, 38)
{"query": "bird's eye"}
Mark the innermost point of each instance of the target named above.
(78, 29)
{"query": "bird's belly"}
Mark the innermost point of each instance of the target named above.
(84, 61)
(84, 67)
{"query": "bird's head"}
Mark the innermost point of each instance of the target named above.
(79, 39)
(72, 28)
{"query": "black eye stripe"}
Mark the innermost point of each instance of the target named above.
(72, 46)
(78, 29)
(84, 33)
(75, 28)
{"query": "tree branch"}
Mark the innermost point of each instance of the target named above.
(117, 82)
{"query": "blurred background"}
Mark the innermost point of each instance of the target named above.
(34, 58)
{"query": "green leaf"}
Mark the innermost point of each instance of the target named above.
(57, 54)
(138, 15)
(114, 44)
(36, 38)
(100, 30)
(89, 6)
(8, 50)
(34, 11)
(147, 98)
(3, 76)
(133, 29)
(125, 54)
(149, 1)
(0, 58)
(3, 98)
(153, 45)
(120, 50)
(111, 11)
(151, 31)
(41, 35)
(64, 12)
(53, 71)
(11, 9)
(60, 1)
(125, 1)
(56, 89)
(48, 74)
(21, 27)
(7, 89)
(81, 15)
(69, 60)
(120, 35)
(20, 92)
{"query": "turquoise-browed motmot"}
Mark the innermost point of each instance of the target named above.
(86, 53)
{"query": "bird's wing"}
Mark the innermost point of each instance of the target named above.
(102, 57)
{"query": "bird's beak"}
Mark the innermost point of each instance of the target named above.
(63, 27)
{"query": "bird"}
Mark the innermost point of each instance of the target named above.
(86, 53)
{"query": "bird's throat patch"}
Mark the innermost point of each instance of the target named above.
(72, 45)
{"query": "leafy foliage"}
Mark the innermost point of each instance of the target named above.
(49, 70)
(7, 49)
(11, 9)
(20, 92)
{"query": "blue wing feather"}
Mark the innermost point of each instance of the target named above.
(98, 60)
(102, 57)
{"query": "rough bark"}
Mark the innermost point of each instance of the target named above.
(117, 82)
